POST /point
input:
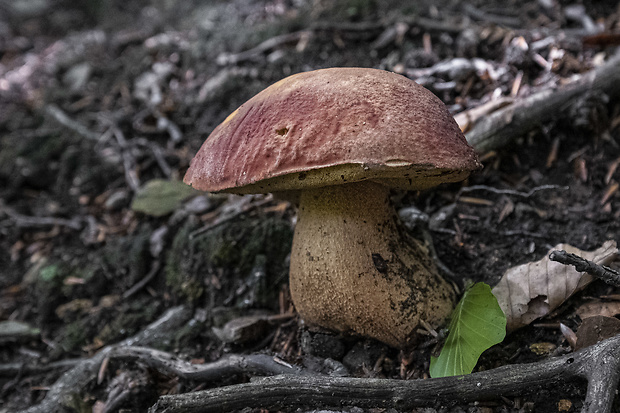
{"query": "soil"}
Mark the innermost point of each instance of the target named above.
(99, 99)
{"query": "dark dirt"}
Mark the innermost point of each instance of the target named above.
(143, 82)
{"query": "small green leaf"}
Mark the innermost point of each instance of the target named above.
(17, 331)
(160, 197)
(477, 324)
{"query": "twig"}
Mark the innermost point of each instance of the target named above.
(253, 53)
(598, 364)
(213, 87)
(26, 221)
(84, 373)
(129, 163)
(499, 128)
(359, 27)
(469, 117)
(12, 369)
(158, 153)
(606, 274)
(62, 118)
(527, 194)
(520, 233)
(223, 218)
(412, 21)
(479, 14)
(260, 364)
(144, 281)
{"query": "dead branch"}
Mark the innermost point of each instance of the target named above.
(258, 364)
(500, 127)
(27, 221)
(63, 119)
(599, 365)
(527, 194)
(14, 369)
(602, 272)
(85, 372)
(144, 281)
(129, 162)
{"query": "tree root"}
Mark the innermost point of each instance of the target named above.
(79, 377)
(260, 364)
(598, 364)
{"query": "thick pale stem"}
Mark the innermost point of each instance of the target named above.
(353, 270)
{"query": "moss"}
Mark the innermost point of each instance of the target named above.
(31, 159)
(253, 249)
(179, 270)
(129, 319)
(127, 258)
(73, 336)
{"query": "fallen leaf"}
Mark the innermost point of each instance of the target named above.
(596, 307)
(161, 197)
(569, 335)
(530, 291)
(477, 324)
(595, 329)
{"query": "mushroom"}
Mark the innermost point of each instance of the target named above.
(338, 139)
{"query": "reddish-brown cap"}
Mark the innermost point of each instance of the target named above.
(333, 126)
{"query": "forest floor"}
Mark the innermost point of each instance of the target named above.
(103, 106)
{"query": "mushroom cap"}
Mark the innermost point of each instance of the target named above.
(332, 126)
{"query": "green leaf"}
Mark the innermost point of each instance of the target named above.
(16, 331)
(477, 324)
(160, 197)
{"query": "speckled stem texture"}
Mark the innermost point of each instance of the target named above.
(354, 270)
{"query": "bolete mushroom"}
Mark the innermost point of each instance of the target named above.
(339, 139)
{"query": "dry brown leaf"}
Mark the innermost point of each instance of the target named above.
(596, 307)
(530, 291)
(595, 329)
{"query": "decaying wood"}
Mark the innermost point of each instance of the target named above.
(599, 365)
(512, 121)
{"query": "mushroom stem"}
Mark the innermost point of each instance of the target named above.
(353, 269)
